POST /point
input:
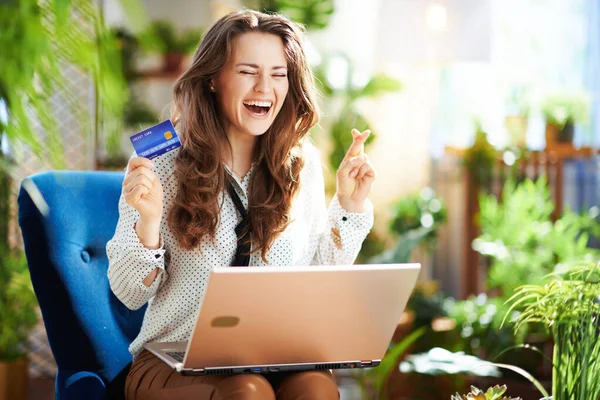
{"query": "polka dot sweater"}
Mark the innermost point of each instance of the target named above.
(317, 235)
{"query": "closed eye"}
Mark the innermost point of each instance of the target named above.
(247, 72)
(280, 75)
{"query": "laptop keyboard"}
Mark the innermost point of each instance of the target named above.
(178, 355)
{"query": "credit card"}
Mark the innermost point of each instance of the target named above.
(156, 140)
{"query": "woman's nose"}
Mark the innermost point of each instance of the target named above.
(263, 85)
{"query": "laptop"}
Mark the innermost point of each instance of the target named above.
(277, 319)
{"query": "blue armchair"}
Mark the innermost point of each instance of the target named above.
(88, 328)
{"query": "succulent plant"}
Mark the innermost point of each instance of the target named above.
(493, 393)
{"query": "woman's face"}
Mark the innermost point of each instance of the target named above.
(253, 84)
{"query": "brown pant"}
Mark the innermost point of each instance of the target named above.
(152, 379)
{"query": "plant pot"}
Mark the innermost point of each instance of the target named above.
(557, 137)
(173, 62)
(566, 134)
(551, 135)
(13, 380)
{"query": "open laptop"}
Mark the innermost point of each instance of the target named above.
(270, 319)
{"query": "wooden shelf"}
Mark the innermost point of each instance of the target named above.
(160, 75)
(558, 151)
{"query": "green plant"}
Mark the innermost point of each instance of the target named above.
(524, 245)
(479, 319)
(377, 378)
(566, 107)
(480, 158)
(336, 79)
(169, 41)
(569, 306)
(313, 14)
(373, 245)
(493, 393)
(37, 40)
(137, 112)
(17, 305)
(427, 303)
(416, 221)
(420, 210)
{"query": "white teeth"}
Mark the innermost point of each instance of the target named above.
(258, 103)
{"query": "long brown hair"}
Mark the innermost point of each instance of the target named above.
(199, 166)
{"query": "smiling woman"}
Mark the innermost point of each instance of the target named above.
(245, 188)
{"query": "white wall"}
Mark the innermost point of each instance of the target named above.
(184, 13)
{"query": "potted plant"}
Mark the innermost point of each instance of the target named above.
(569, 306)
(562, 110)
(516, 121)
(479, 159)
(17, 317)
(174, 46)
(313, 14)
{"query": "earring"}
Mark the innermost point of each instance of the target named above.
(211, 87)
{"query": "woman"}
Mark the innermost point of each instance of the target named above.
(243, 111)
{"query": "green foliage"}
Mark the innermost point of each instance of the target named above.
(17, 305)
(373, 245)
(493, 393)
(480, 158)
(37, 39)
(403, 247)
(340, 101)
(426, 304)
(378, 376)
(569, 307)
(313, 14)
(138, 113)
(416, 221)
(479, 319)
(522, 241)
(566, 107)
(169, 41)
(348, 119)
(420, 210)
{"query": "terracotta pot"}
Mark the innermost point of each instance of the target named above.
(551, 136)
(567, 133)
(556, 137)
(173, 62)
(13, 380)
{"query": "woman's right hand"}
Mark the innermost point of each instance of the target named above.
(142, 190)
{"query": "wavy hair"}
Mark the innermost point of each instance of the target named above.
(199, 169)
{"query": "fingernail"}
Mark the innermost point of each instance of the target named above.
(353, 174)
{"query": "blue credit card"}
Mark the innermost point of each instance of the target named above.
(156, 140)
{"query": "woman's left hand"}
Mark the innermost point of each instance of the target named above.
(356, 175)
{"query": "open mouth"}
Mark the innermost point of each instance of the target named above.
(258, 107)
